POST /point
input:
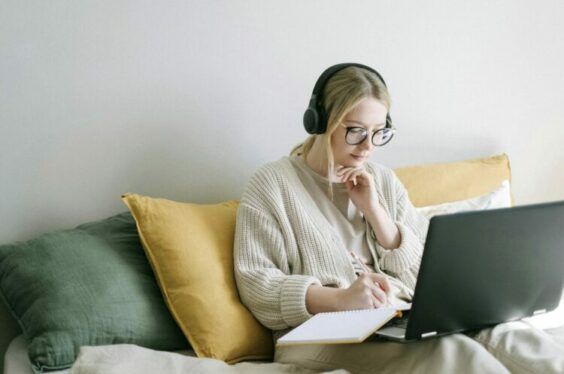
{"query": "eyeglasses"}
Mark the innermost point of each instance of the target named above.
(356, 135)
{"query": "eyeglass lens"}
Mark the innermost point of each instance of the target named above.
(356, 135)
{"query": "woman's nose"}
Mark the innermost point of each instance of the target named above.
(367, 144)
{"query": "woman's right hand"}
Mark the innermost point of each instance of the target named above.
(368, 291)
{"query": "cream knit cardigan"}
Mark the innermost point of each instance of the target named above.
(284, 244)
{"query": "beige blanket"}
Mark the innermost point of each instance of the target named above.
(127, 358)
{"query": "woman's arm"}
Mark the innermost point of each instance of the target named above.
(368, 291)
(322, 299)
(262, 271)
(398, 237)
(404, 260)
(387, 233)
(280, 300)
(361, 188)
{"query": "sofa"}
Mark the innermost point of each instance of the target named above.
(159, 278)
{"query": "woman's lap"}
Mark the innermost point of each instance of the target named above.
(523, 348)
(515, 347)
(455, 353)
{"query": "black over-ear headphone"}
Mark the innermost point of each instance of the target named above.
(315, 117)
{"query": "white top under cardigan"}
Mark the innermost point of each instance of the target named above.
(284, 244)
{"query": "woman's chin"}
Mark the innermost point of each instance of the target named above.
(352, 165)
(351, 162)
(356, 161)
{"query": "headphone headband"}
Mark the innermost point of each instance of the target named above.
(330, 71)
(315, 118)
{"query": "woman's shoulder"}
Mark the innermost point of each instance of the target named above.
(273, 169)
(268, 184)
(272, 176)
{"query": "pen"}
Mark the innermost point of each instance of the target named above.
(367, 270)
(360, 262)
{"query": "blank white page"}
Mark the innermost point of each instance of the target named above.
(338, 327)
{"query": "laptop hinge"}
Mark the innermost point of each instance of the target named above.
(427, 334)
(540, 311)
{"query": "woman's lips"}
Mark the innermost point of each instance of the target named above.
(358, 158)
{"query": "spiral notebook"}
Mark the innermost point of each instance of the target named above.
(352, 326)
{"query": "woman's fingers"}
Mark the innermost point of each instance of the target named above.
(379, 295)
(381, 280)
(350, 174)
(374, 288)
(380, 288)
(343, 170)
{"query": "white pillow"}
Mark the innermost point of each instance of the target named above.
(499, 198)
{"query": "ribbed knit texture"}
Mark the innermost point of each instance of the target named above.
(283, 243)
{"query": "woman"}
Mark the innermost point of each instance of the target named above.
(327, 230)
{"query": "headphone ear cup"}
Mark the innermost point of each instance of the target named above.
(311, 120)
(315, 119)
(388, 122)
(322, 120)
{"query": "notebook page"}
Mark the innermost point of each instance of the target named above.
(338, 327)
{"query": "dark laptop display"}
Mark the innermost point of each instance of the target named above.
(486, 267)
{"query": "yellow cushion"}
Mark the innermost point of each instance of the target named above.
(453, 181)
(190, 248)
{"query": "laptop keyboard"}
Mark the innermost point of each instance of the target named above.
(400, 322)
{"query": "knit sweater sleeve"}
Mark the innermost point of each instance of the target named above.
(263, 274)
(405, 260)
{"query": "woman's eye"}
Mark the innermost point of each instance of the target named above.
(356, 130)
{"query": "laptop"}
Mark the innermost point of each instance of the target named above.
(485, 267)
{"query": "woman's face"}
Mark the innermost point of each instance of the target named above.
(370, 114)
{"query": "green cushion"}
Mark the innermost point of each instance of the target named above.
(88, 286)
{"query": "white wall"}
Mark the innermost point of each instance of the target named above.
(185, 99)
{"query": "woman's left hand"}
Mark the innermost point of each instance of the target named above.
(360, 186)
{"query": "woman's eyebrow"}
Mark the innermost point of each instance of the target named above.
(360, 123)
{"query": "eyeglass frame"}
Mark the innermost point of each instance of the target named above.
(349, 128)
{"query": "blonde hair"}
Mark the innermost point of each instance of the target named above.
(343, 91)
